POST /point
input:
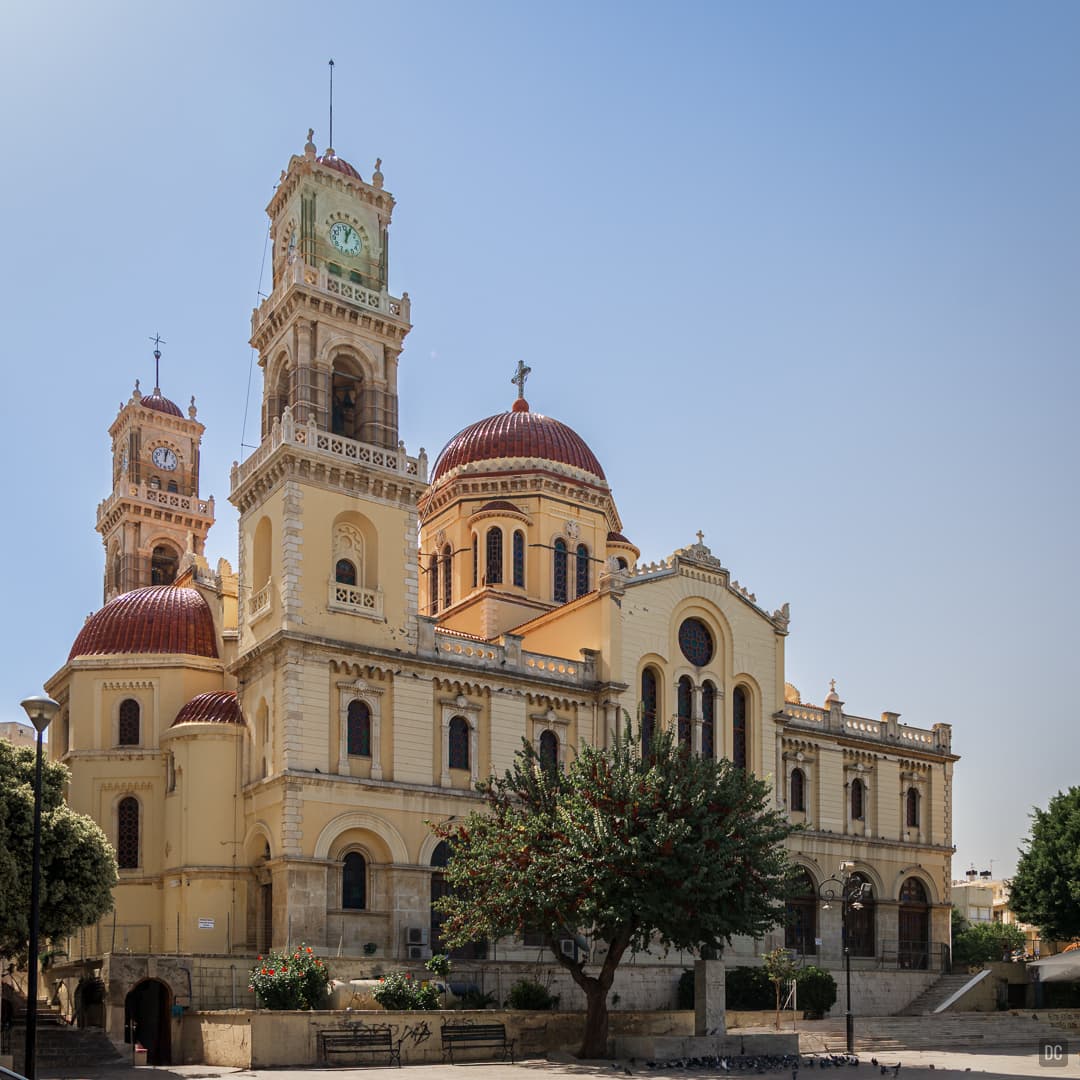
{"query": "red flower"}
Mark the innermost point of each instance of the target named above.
(309, 948)
(270, 972)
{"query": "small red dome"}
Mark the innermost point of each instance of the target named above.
(157, 619)
(161, 404)
(216, 707)
(332, 161)
(517, 434)
(499, 504)
(617, 538)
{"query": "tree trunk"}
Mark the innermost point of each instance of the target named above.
(594, 1043)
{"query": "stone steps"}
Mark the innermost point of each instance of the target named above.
(70, 1047)
(940, 1031)
(935, 994)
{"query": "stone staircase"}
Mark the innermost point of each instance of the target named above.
(939, 1031)
(937, 994)
(62, 1047)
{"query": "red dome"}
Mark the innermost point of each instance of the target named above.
(332, 161)
(517, 434)
(157, 619)
(216, 707)
(161, 404)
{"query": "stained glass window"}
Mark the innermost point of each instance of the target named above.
(648, 709)
(519, 559)
(582, 575)
(345, 572)
(127, 833)
(696, 642)
(685, 696)
(708, 720)
(739, 732)
(858, 808)
(494, 571)
(128, 728)
(354, 881)
(447, 589)
(560, 591)
(359, 729)
(549, 750)
(912, 808)
(459, 743)
(798, 790)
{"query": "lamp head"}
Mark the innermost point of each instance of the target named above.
(41, 711)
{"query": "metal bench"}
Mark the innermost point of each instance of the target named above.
(361, 1039)
(476, 1037)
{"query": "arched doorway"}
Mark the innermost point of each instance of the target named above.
(800, 923)
(475, 950)
(147, 1020)
(862, 931)
(914, 945)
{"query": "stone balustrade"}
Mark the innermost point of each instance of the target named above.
(153, 496)
(259, 604)
(288, 432)
(886, 730)
(355, 600)
(505, 655)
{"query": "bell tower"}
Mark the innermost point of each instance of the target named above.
(154, 515)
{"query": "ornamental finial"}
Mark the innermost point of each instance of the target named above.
(522, 373)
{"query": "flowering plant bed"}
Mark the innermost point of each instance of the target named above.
(290, 980)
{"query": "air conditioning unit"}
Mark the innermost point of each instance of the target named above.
(419, 952)
(568, 947)
(416, 935)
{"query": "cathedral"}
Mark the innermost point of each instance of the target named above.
(266, 746)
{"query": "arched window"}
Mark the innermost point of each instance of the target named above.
(912, 808)
(354, 881)
(344, 572)
(475, 560)
(549, 750)
(260, 553)
(685, 697)
(708, 720)
(621, 563)
(519, 559)
(475, 950)
(163, 565)
(861, 929)
(914, 925)
(128, 729)
(493, 569)
(433, 583)
(582, 575)
(559, 591)
(358, 736)
(127, 833)
(459, 743)
(172, 488)
(858, 800)
(740, 738)
(346, 388)
(648, 709)
(798, 790)
(447, 584)
(116, 571)
(800, 922)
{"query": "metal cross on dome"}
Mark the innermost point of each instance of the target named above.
(523, 372)
(158, 341)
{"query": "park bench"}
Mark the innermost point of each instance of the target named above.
(476, 1037)
(361, 1039)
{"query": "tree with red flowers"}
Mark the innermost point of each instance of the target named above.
(632, 847)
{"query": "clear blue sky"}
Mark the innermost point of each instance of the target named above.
(805, 276)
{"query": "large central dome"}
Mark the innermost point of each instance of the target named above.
(517, 434)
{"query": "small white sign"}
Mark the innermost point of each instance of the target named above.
(817, 941)
(206, 924)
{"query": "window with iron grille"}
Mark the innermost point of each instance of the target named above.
(494, 570)
(447, 589)
(459, 743)
(433, 583)
(708, 720)
(912, 808)
(648, 709)
(684, 696)
(475, 560)
(128, 728)
(359, 733)
(696, 642)
(549, 750)
(858, 800)
(560, 586)
(798, 790)
(127, 833)
(582, 576)
(740, 726)
(519, 559)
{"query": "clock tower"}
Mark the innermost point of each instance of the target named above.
(154, 515)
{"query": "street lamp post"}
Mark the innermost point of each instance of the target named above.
(850, 891)
(41, 711)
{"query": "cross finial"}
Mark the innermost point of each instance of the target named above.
(700, 537)
(522, 373)
(832, 685)
(158, 341)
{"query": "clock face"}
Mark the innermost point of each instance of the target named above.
(164, 458)
(345, 238)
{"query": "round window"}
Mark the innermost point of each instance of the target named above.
(696, 642)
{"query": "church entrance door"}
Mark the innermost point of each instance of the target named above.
(147, 1020)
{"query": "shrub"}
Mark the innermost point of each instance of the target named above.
(816, 991)
(748, 988)
(297, 980)
(529, 994)
(439, 965)
(399, 991)
(684, 996)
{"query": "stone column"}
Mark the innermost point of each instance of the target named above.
(709, 998)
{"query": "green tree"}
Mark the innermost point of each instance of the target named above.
(979, 942)
(1045, 889)
(780, 967)
(78, 866)
(629, 848)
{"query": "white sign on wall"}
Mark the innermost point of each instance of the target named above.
(206, 924)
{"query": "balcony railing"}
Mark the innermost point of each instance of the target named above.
(355, 600)
(259, 604)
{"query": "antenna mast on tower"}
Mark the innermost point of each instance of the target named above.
(331, 103)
